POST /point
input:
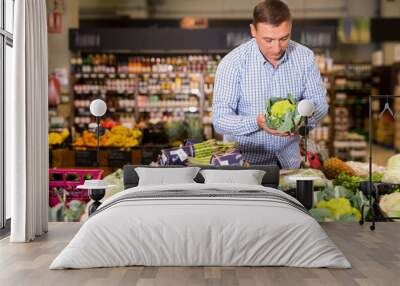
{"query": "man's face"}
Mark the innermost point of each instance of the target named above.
(272, 40)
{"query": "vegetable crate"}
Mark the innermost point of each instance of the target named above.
(66, 202)
(119, 158)
(86, 158)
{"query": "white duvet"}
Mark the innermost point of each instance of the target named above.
(200, 231)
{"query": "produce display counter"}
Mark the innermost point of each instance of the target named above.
(111, 158)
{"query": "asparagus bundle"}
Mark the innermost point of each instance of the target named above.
(199, 161)
(205, 150)
(226, 147)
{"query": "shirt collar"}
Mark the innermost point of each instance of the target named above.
(262, 59)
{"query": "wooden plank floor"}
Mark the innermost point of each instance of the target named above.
(375, 257)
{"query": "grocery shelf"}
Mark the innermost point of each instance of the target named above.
(349, 87)
(155, 86)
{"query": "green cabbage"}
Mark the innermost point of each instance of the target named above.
(391, 177)
(390, 204)
(394, 162)
(392, 174)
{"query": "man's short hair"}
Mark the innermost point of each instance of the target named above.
(273, 12)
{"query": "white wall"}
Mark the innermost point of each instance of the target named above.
(58, 47)
(58, 42)
(362, 8)
(390, 8)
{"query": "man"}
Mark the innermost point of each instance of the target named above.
(269, 65)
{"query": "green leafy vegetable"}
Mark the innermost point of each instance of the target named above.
(377, 177)
(390, 204)
(341, 209)
(349, 182)
(332, 194)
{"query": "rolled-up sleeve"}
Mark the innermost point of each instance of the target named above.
(225, 102)
(316, 92)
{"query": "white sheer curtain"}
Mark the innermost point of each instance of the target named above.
(27, 124)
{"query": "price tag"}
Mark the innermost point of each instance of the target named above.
(181, 154)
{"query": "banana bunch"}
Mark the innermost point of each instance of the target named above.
(119, 136)
(57, 138)
(122, 137)
(126, 132)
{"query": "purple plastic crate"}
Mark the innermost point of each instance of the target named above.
(228, 159)
(176, 156)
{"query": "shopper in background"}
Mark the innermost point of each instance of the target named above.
(269, 65)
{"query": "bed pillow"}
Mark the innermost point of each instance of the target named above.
(248, 177)
(166, 176)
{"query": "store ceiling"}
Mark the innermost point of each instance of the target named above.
(219, 9)
(97, 9)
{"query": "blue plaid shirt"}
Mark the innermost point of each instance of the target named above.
(243, 82)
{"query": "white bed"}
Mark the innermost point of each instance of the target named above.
(185, 230)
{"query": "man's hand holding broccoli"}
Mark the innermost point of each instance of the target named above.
(281, 117)
(261, 123)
